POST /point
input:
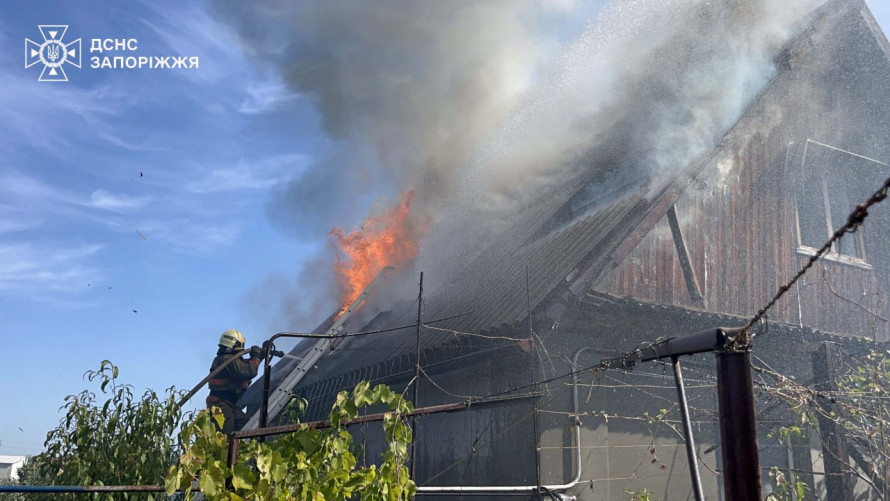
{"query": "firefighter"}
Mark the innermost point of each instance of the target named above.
(227, 387)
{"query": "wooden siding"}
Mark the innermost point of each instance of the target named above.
(739, 220)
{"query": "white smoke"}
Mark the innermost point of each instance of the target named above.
(469, 103)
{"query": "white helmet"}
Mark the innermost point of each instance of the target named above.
(232, 339)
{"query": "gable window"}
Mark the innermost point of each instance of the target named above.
(831, 182)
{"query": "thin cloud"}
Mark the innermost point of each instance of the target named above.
(263, 97)
(58, 119)
(259, 175)
(20, 189)
(32, 270)
(191, 32)
(8, 225)
(102, 199)
(200, 234)
(184, 236)
(23, 191)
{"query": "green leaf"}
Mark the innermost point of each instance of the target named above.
(171, 482)
(243, 477)
(211, 482)
(279, 472)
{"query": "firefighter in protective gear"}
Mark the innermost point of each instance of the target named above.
(227, 387)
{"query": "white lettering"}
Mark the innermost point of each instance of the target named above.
(134, 62)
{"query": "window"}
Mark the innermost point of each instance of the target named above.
(831, 182)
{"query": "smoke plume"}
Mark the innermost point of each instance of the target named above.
(482, 106)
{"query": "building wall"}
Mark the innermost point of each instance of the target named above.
(10, 465)
(631, 439)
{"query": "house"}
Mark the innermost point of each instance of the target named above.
(9, 466)
(598, 267)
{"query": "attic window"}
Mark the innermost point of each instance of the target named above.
(831, 183)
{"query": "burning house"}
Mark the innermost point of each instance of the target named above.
(613, 255)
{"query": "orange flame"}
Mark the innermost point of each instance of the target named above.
(386, 240)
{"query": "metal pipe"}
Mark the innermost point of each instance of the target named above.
(738, 426)
(422, 411)
(532, 489)
(531, 366)
(267, 369)
(303, 366)
(58, 489)
(701, 342)
(687, 429)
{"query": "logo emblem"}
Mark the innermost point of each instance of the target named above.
(53, 53)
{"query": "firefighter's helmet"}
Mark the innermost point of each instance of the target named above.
(232, 339)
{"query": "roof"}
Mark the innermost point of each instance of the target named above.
(559, 246)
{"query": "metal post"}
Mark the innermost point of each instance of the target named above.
(738, 426)
(416, 401)
(532, 352)
(267, 378)
(687, 429)
(234, 445)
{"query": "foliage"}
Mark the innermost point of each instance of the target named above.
(309, 464)
(865, 413)
(111, 438)
(860, 405)
(643, 495)
(786, 489)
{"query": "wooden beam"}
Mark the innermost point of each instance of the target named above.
(838, 479)
(683, 254)
(644, 227)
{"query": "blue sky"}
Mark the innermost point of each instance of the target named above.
(133, 204)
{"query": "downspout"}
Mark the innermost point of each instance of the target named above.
(533, 489)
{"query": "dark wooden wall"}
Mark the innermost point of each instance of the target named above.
(739, 223)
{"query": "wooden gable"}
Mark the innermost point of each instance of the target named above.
(809, 148)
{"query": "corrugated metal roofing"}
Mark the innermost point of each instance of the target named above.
(492, 289)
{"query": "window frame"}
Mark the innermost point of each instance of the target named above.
(833, 254)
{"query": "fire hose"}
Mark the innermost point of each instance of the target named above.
(272, 352)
